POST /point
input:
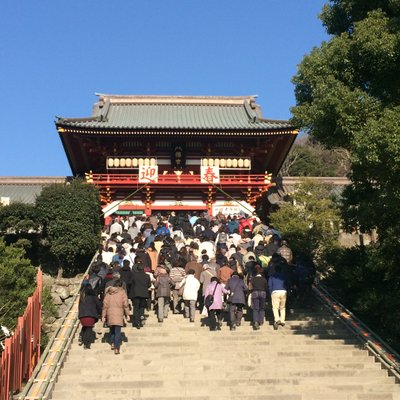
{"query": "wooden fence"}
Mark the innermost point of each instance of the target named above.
(22, 350)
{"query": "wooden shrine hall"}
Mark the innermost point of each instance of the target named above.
(163, 153)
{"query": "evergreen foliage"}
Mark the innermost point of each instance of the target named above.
(348, 95)
(69, 215)
(17, 283)
(49, 313)
(18, 218)
(19, 225)
(365, 281)
(310, 220)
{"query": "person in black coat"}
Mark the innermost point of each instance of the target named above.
(187, 228)
(139, 293)
(144, 256)
(236, 299)
(258, 296)
(126, 275)
(272, 247)
(89, 310)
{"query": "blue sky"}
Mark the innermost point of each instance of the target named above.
(54, 55)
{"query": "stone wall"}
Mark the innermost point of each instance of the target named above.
(62, 292)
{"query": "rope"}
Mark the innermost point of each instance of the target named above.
(228, 195)
(126, 198)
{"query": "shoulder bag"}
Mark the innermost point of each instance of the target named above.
(209, 300)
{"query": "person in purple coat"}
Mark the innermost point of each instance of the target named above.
(216, 290)
(237, 299)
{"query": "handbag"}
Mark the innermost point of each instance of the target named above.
(209, 300)
(249, 300)
(204, 312)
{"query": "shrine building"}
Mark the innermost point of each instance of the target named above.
(162, 153)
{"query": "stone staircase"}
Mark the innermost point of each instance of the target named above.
(314, 357)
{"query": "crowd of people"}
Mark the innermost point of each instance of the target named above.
(220, 267)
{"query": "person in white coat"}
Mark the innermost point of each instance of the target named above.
(115, 227)
(191, 287)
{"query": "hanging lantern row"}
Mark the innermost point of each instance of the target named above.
(227, 163)
(136, 162)
(119, 162)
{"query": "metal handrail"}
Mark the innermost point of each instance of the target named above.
(386, 355)
(46, 383)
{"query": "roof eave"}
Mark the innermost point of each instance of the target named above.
(65, 128)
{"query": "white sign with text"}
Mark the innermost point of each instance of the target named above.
(148, 173)
(209, 174)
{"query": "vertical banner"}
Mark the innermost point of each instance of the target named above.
(209, 174)
(148, 173)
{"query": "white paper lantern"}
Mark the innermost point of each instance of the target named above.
(134, 162)
(128, 162)
(205, 162)
(247, 163)
(210, 162)
(153, 162)
(240, 163)
(116, 162)
(222, 162)
(141, 162)
(229, 163)
(234, 163)
(122, 162)
(110, 162)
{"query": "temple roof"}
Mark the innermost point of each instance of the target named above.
(175, 112)
(25, 189)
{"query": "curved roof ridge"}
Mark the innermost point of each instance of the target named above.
(170, 99)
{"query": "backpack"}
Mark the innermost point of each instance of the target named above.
(163, 231)
(264, 260)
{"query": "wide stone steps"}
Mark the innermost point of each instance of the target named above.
(304, 365)
(313, 357)
(246, 391)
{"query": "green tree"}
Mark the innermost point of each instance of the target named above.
(369, 285)
(17, 283)
(19, 224)
(348, 94)
(310, 220)
(70, 218)
(18, 218)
